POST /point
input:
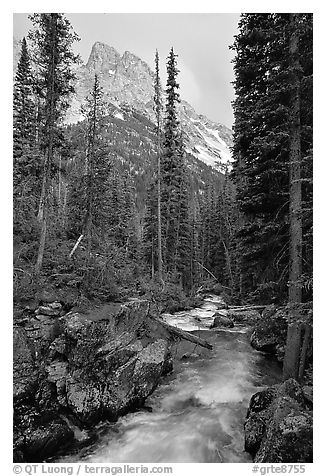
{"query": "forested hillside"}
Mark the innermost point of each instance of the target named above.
(107, 161)
(149, 241)
(239, 239)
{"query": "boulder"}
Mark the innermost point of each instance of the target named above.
(289, 435)
(308, 394)
(88, 370)
(264, 342)
(222, 321)
(52, 309)
(68, 295)
(117, 381)
(269, 333)
(269, 311)
(47, 296)
(45, 440)
(249, 317)
(278, 426)
(42, 331)
(24, 372)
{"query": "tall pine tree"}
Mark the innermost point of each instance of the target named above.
(90, 185)
(261, 145)
(26, 164)
(53, 38)
(23, 105)
(175, 196)
(158, 117)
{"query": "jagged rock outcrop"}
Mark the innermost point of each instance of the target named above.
(278, 426)
(127, 80)
(74, 368)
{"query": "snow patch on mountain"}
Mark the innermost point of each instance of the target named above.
(204, 138)
(128, 81)
(118, 115)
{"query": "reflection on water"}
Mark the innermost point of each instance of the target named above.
(198, 411)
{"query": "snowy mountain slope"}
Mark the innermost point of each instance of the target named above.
(127, 81)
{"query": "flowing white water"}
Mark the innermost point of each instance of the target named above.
(198, 411)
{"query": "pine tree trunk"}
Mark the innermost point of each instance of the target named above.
(292, 353)
(42, 198)
(228, 263)
(152, 257)
(295, 289)
(44, 206)
(40, 255)
(157, 108)
(64, 206)
(59, 182)
(304, 350)
(159, 223)
(90, 170)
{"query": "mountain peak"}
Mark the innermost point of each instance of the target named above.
(103, 57)
(128, 80)
(130, 60)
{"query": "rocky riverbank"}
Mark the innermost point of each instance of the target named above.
(269, 332)
(279, 426)
(74, 370)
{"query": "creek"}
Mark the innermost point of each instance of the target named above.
(197, 412)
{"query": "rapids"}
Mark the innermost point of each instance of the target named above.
(197, 412)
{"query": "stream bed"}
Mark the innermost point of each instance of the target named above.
(197, 412)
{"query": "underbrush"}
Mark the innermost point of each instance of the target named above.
(168, 297)
(107, 275)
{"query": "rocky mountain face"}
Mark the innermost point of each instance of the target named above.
(16, 53)
(128, 81)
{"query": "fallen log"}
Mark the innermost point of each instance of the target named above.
(184, 334)
(245, 308)
(228, 312)
(221, 312)
(208, 271)
(76, 246)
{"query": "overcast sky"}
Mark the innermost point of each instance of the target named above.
(201, 41)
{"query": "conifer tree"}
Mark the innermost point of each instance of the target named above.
(91, 188)
(217, 233)
(94, 174)
(102, 197)
(26, 163)
(158, 116)
(175, 216)
(293, 344)
(23, 105)
(261, 146)
(52, 38)
(121, 211)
